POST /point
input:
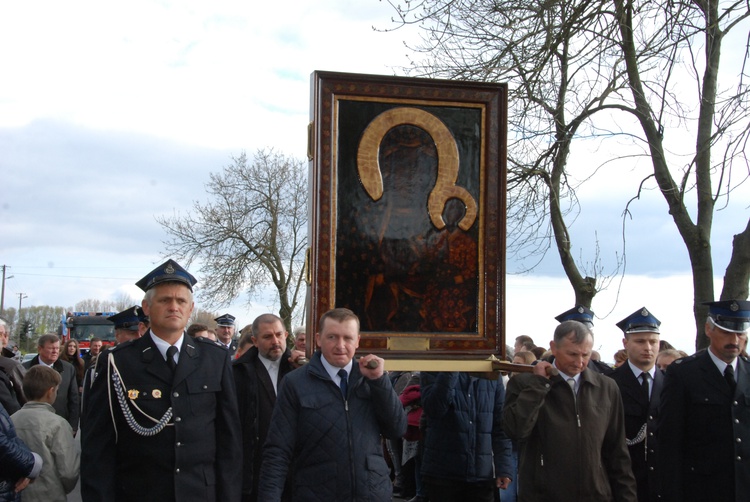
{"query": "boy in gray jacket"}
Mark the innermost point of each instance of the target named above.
(49, 435)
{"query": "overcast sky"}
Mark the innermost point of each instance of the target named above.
(112, 114)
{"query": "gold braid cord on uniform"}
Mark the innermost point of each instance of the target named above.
(129, 418)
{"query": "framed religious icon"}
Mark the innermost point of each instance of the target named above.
(407, 213)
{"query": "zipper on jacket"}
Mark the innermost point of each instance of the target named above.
(541, 458)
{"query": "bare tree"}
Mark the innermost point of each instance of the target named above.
(124, 301)
(566, 62)
(719, 116)
(554, 55)
(203, 317)
(96, 305)
(251, 232)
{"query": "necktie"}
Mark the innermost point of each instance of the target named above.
(644, 385)
(729, 377)
(343, 383)
(572, 383)
(171, 351)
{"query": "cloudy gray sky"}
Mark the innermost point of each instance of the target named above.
(111, 115)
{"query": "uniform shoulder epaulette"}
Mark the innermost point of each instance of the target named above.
(120, 346)
(207, 341)
(689, 358)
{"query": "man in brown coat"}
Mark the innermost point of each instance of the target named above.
(570, 427)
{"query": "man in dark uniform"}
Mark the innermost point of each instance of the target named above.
(127, 324)
(704, 417)
(162, 422)
(225, 332)
(258, 374)
(640, 383)
(127, 328)
(585, 316)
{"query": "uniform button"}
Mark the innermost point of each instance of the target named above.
(651, 451)
(205, 387)
(177, 419)
(705, 399)
(546, 385)
(650, 468)
(735, 403)
(736, 420)
(179, 444)
(739, 440)
(177, 471)
(650, 417)
(739, 458)
(650, 433)
(176, 394)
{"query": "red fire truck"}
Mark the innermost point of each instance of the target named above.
(83, 326)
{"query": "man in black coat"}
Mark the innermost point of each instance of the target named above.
(704, 417)
(162, 422)
(640, 383)
(257, 375)
(11, 375)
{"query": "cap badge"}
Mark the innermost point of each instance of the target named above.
(580, 310)
(644, 313)
(734, 307)
(169, 269)
(133, 394)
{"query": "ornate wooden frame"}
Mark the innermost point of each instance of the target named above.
(383, 248)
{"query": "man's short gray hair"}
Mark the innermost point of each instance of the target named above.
(567, 328)
(149, 296)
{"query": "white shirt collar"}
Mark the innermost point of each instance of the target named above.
(637, 371)
(333, 371)
(162, 346)
(721, 365)
(568, 377)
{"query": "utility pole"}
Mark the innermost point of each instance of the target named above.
(2, 297)
(21, 296)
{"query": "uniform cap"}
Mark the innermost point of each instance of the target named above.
(578, 313)
(169, 271)
(640, 321)
(127, 319)
(225, 320)
(730, 315)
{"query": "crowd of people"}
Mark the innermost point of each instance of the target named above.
(177, 412)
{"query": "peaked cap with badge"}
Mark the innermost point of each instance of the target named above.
(225, 320)
(129, 318)
(730, 315)
(578, 313)
(169, 271)
(640, 321)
